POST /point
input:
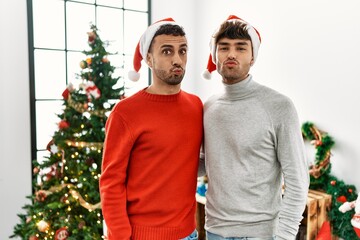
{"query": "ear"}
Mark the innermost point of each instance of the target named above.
(252, 62)
(149, 60)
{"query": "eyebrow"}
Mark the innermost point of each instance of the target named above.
(172, 46)
(237, 43)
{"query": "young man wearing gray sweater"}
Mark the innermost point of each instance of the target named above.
(253, 146)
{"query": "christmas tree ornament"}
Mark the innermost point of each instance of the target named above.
(91, 37)
(255, 43)
(63, 124)
(61, 234)
(69, 89)
(83, 64)
(92, 91)
(41, 195)
(36, 170)
(341, 199)
(43, 226)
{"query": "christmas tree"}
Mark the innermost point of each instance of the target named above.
(66, 199)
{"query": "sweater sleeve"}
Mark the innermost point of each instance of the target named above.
(117, 146)
(292, 158)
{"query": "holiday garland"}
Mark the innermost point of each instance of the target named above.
(322, 179)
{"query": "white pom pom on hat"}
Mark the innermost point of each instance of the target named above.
(143, 45)
(255, 40)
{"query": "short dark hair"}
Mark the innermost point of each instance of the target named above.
(232, 30)
(168, 29)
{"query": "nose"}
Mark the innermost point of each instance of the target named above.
(177, 60)
(232, 54)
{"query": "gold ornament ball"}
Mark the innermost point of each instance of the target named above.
(43, 226)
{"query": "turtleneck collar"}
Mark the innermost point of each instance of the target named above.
(240, 89)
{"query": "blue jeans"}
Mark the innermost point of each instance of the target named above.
(192, 236)
(212, 236)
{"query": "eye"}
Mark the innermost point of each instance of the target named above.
(223, 48)
(167, 51)
(183, 51)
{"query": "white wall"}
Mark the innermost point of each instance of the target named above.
(309, 52)
(15, 153)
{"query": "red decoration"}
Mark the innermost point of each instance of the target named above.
(92, 37)
(333, 182)
(61, 234)
(92, 91)
(355, 222)
(33, 238)
(324, 232)
(350, 190)
(67, 91)
(63, 124)
(40, 195)
(36, 170)
(341, 199)
(81, 224)
(357, 231)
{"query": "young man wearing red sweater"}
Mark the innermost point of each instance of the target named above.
(152, 145)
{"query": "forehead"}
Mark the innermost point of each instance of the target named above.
(237, 41)
(169, 40)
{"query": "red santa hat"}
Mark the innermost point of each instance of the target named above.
(143, 45)
(255, 40)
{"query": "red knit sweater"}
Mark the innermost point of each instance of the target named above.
(150, 164)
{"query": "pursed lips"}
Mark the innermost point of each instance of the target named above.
(230, 63)
(177, 70)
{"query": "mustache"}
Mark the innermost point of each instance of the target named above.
(231, 61)
(176, 68)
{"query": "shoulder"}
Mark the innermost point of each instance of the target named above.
(128, 103)
(274, 98)
(191, 97)
(211, 100)
(279, 106)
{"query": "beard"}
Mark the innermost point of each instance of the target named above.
(230, 74)
(170, 79)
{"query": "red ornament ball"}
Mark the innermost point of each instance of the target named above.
(341, 199)
(333, 182)
(61, 234)
(63, 124)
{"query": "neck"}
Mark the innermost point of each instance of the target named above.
(163, 89)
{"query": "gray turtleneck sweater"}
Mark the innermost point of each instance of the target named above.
(253, 145)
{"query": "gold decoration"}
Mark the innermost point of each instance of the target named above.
(317, 139)
(75, 194)
(43, 226)
(85, 144)
(81, 108)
